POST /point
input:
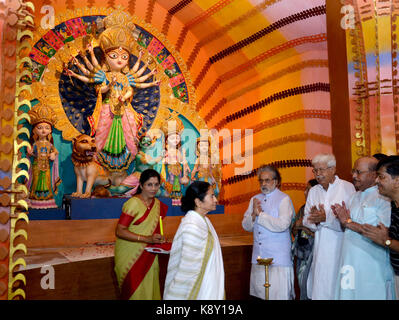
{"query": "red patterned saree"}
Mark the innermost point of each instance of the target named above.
(137, 270)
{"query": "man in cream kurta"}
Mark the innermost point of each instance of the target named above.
(269, 216)
(195, 268)
(365, 272)
(319, 218)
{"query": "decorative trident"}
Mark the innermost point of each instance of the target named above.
(266, 262)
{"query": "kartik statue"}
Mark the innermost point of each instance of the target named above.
(204, 169)
(175, 169)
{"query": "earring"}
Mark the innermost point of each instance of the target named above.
(105, 67)
(125, 69)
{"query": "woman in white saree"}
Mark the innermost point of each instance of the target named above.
(195, 269)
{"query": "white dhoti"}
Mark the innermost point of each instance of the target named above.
(281, 280)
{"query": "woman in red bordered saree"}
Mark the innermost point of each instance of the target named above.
(137, 270)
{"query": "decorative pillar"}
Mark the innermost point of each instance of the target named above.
(15, 21)
(339, 95)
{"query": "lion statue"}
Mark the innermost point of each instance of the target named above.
(87, 169)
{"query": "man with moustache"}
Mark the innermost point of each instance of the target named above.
(269, 216)
(321, 220)
(388, 185)
(365, 272)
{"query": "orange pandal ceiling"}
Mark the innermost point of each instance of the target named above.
(241, 83)
(251, 70)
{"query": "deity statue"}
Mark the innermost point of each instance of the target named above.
(204, 169)
(44, 179)
(175, 169)
(114, 122)
(143, 158)
(143, 161)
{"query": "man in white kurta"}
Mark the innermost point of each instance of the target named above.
(195, 268)
(319, 218)
(269, 216)
(365, 271)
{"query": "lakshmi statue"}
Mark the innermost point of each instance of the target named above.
(204, 168)
(114, 122)
(44, 179)
(175, 169)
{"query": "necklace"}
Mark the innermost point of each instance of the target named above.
(147, 204)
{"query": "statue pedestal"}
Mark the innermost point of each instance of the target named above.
(86, 271)
(97, 208)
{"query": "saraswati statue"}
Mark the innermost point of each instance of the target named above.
(114, 122)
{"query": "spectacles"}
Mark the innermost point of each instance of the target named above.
(315, 170)
(358, 172)
(266, 180)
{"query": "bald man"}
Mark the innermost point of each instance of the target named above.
(365, 272)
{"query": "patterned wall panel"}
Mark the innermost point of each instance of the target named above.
(372, 64)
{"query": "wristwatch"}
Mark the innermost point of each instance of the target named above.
(388, 242)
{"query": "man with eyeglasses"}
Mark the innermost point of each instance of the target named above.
(269, 216)
(365, 272)
(388, 185)
(321, 220)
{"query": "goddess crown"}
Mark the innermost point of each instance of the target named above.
(170, 129)
(42, 113)
(118, 32)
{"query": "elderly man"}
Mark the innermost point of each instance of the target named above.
(269, 216)
(365, 272)
(328, 232)
(388, 185)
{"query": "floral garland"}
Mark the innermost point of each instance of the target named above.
(324, 87)
(171, 12)
(222, 31)
(258, 59)
(297, 186)
(301, 114)
(288, 139)
(272, 77)
(303, 15)
(203, 16)
(149, 11)
(276, 164)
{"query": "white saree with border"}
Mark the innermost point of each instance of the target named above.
(195, 268)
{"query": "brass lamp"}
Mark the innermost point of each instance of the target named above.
(266, 262)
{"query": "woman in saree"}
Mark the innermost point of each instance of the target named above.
(302, 247)
(137, 270)
(195, 268)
